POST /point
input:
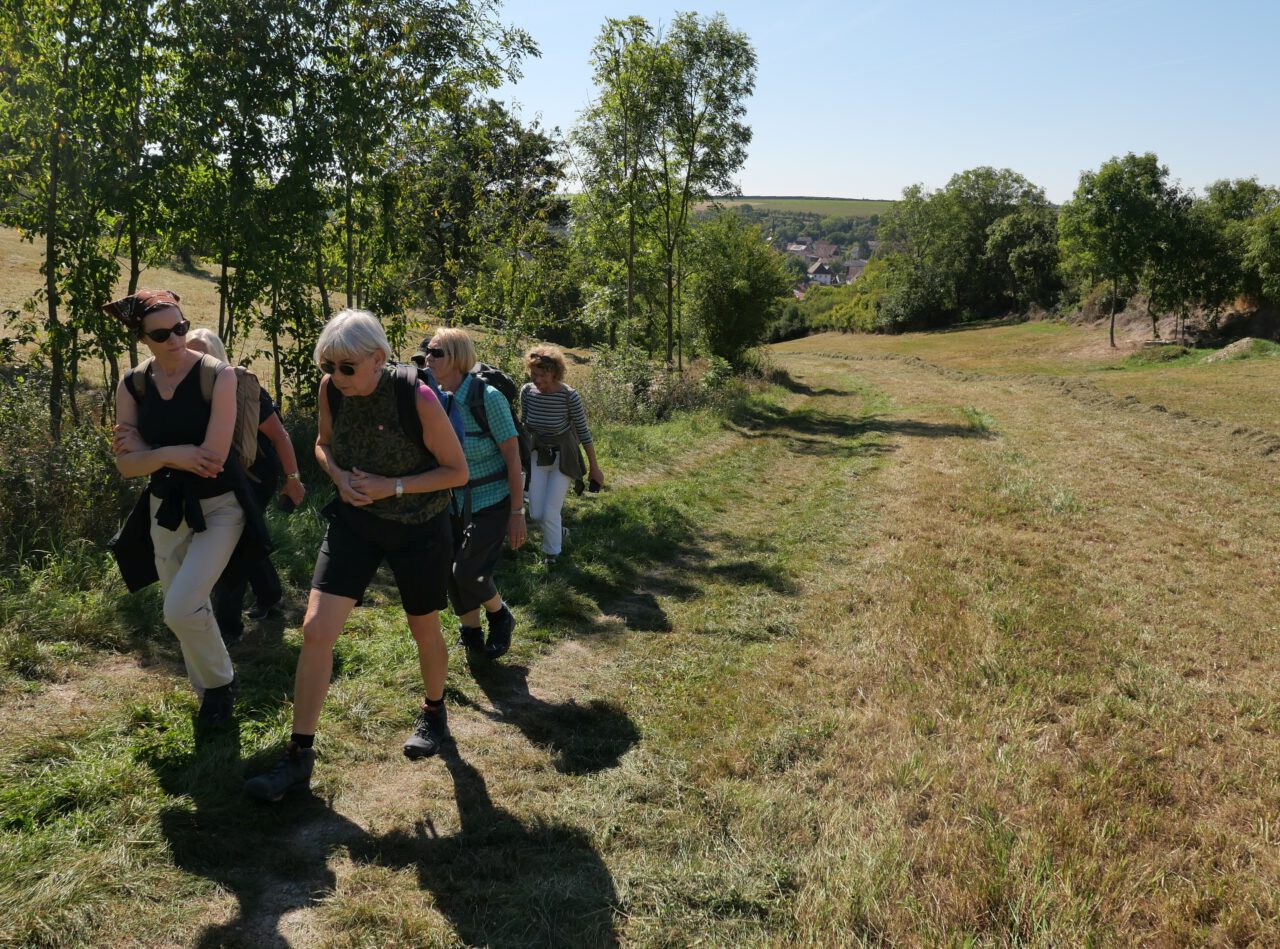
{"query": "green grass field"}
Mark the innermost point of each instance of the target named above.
(962, 639)
(827, 207)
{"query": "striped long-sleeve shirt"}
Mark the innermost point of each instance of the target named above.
(550, 413)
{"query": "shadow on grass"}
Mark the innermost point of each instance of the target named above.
(583, 738)
(498, 881)
(791, 384)
(501, 882)
(825, 433)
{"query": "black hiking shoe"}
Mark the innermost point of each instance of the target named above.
(261, 612)
(472, 637)
(430, 734)
(291, 773)
(501, 625)
(219, 704)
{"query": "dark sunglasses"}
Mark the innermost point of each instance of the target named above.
(178, 329)
(434, 351)
(346, 368)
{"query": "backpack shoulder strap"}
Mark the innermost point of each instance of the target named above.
(406, 388)
(136, 378)
(209, 367)
(475, 403)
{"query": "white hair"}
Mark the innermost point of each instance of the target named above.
(209, 339)
(352, 334)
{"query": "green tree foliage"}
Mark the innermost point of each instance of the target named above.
(666, 132)
(738, 281)
(1262, 255)
(1119, 220)
(982, 245)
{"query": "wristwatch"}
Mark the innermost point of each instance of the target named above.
(518, 512)
(293, 476)
(399, 487)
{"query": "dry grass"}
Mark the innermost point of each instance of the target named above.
(918, 650)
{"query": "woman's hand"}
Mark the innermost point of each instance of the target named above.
(348, 489)
(517, 530)
(125, 439)
(596, 475)
(294, 490)
(193, 458)
(374, 487)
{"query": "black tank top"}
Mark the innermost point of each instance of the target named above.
(182, 420)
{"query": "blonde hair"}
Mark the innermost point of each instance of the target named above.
(352, 334)
(209, 340)
(548, 358)
(459, 348)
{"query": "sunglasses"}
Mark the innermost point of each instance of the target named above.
(178, 329)
(435, 351)
(346, 368)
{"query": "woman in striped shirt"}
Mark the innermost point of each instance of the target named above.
(553, 413)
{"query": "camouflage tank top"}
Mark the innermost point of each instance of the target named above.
(367, 435)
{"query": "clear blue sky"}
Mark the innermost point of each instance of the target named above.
(862, 99)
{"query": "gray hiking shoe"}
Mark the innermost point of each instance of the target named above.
(430, 734)
(291, 773)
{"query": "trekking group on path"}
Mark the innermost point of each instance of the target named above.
(430, 460)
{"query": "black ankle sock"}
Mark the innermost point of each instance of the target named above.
(498, 612)
(433, 704)
(303, 741)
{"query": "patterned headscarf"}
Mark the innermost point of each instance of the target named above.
(130, 310)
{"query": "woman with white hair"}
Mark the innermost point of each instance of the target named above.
(393, 474)
(275, 457)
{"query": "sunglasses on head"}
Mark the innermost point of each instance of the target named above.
(435, 351)
(346, 368)
(178, 329)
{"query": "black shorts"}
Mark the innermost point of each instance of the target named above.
(420, 557)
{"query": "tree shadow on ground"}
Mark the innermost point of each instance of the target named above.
(791, 384)
(816, 432)
(583, 738)
(498, 881)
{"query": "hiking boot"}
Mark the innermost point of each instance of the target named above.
(291, 773)
(472, 637)
(501, 625)
(218, 705)
(261, 612)
(430, 734)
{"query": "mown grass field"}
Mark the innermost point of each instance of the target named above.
(940, 640)
(827, 207)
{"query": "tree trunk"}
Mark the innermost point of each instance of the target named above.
(52, 326)
(275, 339)
(73, 375)
(350, 238)
(1115, 295)
(323, 289)
(670, 309)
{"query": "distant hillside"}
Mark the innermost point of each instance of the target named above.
(827, 207)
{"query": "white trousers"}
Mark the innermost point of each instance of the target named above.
(189, 563)
(548, 486)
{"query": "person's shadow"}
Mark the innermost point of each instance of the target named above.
(583, 738)
(501, 882)
(498, 881)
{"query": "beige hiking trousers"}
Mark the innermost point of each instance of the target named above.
(189, 564)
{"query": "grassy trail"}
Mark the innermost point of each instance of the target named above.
(902, 655)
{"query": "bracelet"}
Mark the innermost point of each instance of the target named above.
(399, 487)
(293, 476)
(519, 513)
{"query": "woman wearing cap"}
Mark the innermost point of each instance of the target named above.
(553, 413)
(172, 436)
(392, 505)
(275, 456)
(494, 498)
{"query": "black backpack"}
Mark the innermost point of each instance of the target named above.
(495, 378)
